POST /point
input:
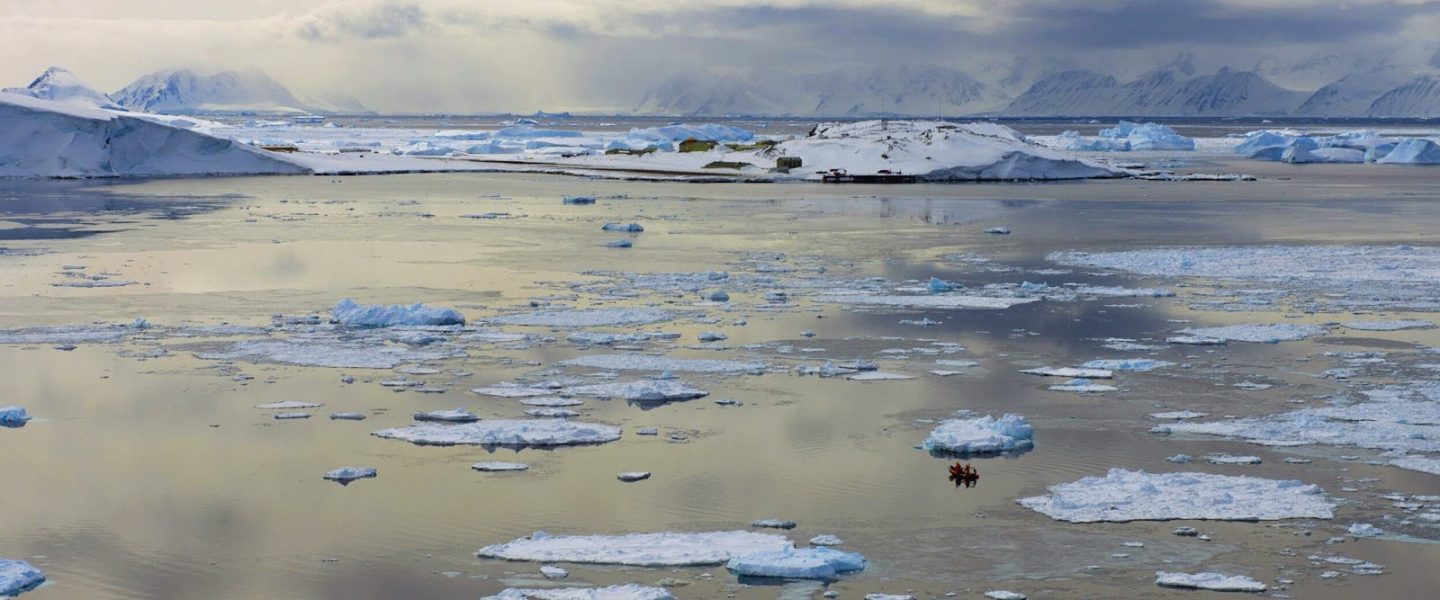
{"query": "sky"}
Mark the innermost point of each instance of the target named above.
(601, 55)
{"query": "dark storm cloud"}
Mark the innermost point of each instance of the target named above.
(1139, 23)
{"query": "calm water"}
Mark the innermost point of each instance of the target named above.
(151, 476)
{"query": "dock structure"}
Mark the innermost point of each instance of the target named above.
(882, 176)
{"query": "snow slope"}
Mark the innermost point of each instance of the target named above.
(185, 91)
(1419, 97)
(1162, 92)
(61, 85)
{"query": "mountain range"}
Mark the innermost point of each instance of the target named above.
(186, 91)
(1371, 88)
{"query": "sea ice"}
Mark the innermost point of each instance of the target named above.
(533, 432)
(878, 376)
(623, 227)
(1413, 151)
(1208, 581)
(773, 523)
(1081, 385)
(1365, 530)
(512, 390)
(1419, 463)
(325, 353)
(599, 317)
(288, 405)
(349, 474)
(1389, 325)
(633, 476)
(629, 591)
(1004, 595)
(551, 401)
(551, 413)
(826, 540)
(792, 563)
(347, 312)
(938, 301)
(18, 576)
(644, 362)
(1123, 495)
(1148, 136)
(664, 549)
(291, 416)
(347, 416)
(1257, 333)
(983, 435)
(1178, 415)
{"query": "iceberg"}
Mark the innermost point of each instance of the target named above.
(664, 549)
(1080, 372)
(17, 576)
(13, 416)
(1215, 582)
(347, 312)
(533, 432)
(1074, 142)
(791, 563)
(1412, 151)
(1123, 495)
(345, 475)
(629, 591)
(633, 476)
(983, 435)
(1299, 155)
(1148, 136)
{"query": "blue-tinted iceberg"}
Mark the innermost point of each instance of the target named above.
(1413, 151)
(348, 312)
(792, 563)
(983, 435)
(18, 576)
(13, 416)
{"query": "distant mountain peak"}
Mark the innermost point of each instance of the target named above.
(183, 90)
(59, 84)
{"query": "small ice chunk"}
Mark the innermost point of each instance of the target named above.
(457, 415)
(939, 286)
(647, 431)
(983, 435)
(345, 475)
(642, 362)
(18, 576)
(826, 540)
(1080, 385)
(1399, 325)
(1004, 595)
(719, 296)
(878, 376)
(1365, 530)
(1178, 415)
(498, 466)
(998, 230)
(553, 572)
(633, 476)
(347, 416)
(664, 549)
(1186, 532)
(286, 416)
(1123, 495)
(598, 317)
(13, 416)
(577, 200)
(533, 432)
(626, 227)
(712, 336)
(773, 523)
(1229, 459)
(551, 402)
(511, 390)
(792, 563)
(348, 312)
(619, 244)
(1217, 582)
(288, 405)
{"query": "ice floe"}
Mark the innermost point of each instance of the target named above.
(1081, 385)
(1083, 372)
(347, 312)
(664, 549)
(774, 523)
(645, 390)
(632, 476)
(1419, 463)
(938, 301)
(1123, 495)
(878, 376)
(826, 540)
(499, 466)
(1257, 333)
(982, 435)
(1127, 364)
(456, 415)
(1216, 582)
(288, 405)
(1399, 325)
(534, 432)
(326, 352)
(346, 475)
(796, 563)
(1004, 595)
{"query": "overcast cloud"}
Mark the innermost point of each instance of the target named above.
(479, 55)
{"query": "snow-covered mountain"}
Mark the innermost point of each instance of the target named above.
(1352, 95)
(902, 90)
(1419, 97)
(1163, 92)
(61, 85)
(185, 91)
